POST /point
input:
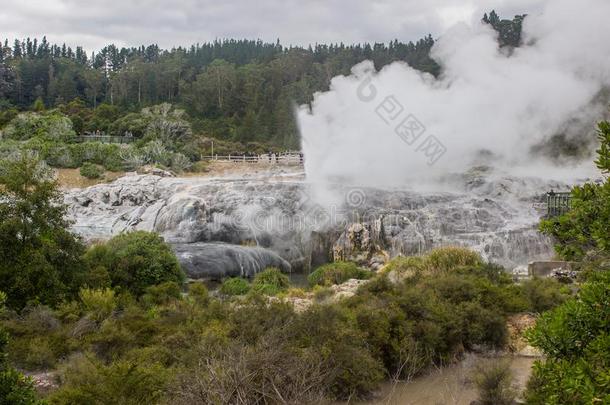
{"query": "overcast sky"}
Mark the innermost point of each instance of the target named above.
(95, 23)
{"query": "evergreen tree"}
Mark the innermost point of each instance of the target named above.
(39, 257)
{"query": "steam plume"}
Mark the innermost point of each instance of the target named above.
(489, 105)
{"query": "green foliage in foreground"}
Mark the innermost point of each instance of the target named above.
(337, 273)
(135, 261)
(270, 281)
(585, 228)
(165, 347)
(91, 171)
(15, 389)
(235, 286)
(40, 260)
(494, 381)
(575, 337)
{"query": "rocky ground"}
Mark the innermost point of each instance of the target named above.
(273, 208)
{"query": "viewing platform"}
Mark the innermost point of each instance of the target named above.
(558, 203)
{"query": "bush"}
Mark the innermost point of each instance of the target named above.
(543, 294)
(321, 294)
(180, 163)
(199, 167)
(52, 125)
(575, 338)
(15, 388)
(406, 266)
(337, 273)
(133, 123)
(276, 373)
(270, 282)
(136, 260)
(235, 286)
(494, 382)
(162, 293)
(99, 304)
(451, 257)
(91, 171)
(86, 380)
(199, 292)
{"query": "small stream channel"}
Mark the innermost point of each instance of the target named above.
(448, 385)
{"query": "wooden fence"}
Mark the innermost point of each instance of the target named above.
(286, 158)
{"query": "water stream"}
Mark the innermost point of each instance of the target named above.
(447, 385)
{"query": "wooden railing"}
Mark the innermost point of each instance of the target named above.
(288, 158)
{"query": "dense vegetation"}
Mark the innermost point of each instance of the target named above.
(237, 90)
(337, 273)
(116, 322)
(40, 260)
(117, 327)
(575, 337)
(584, 230)
(163, 346)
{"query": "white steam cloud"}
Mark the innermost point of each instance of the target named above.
(366, 129)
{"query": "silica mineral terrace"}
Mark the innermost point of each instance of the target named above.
(237, 224)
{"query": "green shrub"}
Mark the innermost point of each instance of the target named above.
(91, 171)
(270, 282)
(180, 163)
(337, 273)
(40, 259)
(15, 388)
(199, 292)
(162, 293)
(40, 354)
(199, 167)
(575, 338)
(86, 380)
(133, 123)
(543, 294)
(99, 304)
(406, 266)
(235, 286)
(322, 293)
(330, 331)
(584, 228)
(136, 260)
(451, 257)
(494, 381)
(51, 125)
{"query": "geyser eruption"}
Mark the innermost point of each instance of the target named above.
(490, 105)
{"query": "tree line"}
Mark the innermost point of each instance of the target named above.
(240, 90)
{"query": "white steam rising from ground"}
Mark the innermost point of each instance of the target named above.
(365, 129)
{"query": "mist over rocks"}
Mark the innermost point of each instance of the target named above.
(253, 223)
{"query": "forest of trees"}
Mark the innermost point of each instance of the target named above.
(239, 90)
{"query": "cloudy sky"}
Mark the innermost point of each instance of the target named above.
(94, 23)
